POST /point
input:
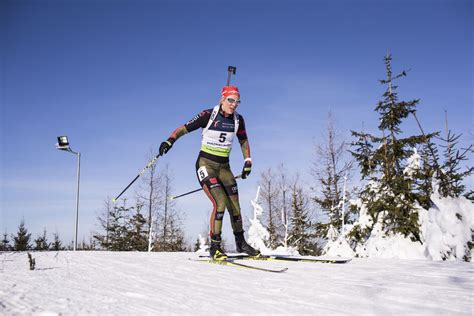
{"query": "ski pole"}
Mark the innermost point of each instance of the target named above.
(138, 176)
(197, 190)
(231, 71)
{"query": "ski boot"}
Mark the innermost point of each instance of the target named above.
(242, 246)
(215, 250)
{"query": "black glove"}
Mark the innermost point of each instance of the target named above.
(165, 146)
(246, 169)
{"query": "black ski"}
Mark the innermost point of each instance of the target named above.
(232, 263)
(286, 258)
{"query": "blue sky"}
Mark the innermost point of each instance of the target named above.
(118, 77)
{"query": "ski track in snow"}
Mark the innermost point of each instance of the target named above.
(168, 283)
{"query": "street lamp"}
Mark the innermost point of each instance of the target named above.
(63, 144)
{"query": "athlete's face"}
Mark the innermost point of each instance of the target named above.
(230, 103)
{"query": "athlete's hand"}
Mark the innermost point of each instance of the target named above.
(165, 146)
(247, 169)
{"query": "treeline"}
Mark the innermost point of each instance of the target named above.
(151, 223)
(398, 174)
(22, 241)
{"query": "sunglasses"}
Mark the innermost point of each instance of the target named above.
(232, 101)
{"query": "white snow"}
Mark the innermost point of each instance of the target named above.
(445, 231)
(413, 163)
(339, 248)
(203, 247)
(258, 234)
(447, 227)
(123, 283)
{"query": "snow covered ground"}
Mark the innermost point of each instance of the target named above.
(169, 283)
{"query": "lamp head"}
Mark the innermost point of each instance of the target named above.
(63, 143)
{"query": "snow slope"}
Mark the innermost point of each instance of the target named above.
(169, 283)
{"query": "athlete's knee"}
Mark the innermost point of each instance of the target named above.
(232, 189)
(236, 219)
(219, 216)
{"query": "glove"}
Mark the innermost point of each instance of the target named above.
(165, 146)
(247, 168)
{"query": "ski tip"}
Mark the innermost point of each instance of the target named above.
(114, 200)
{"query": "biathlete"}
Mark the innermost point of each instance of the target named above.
(219, 126)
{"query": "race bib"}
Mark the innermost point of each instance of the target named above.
(202, 173)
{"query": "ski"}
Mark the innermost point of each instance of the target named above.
(308, 259)
(232, 263)
(286, 258)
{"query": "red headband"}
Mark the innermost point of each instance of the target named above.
(230, 90)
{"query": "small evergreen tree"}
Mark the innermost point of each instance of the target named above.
(126, 229)
(21, 242)
(451, 178)
(116, 225)
(390, 195)
(5, 243)
(137, 235)
(301, 234)
(57, 244)
(41, 242)
(197, 244)
(118, 230)
(424, 175)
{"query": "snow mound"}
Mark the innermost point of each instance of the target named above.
(446, 229)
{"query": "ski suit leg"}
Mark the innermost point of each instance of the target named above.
(208, 174)
(227, 180)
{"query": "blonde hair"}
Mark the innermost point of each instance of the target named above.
(221, 100)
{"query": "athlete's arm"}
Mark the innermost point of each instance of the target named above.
(199, 120)
(244, 145)
(243, 140)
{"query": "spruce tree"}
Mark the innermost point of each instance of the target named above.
(300, 232)
(21, 242)
(5, 243)
(451, 177)
(197, 244)
(41, 242)
(390, 195)
(138, 233)
(118, 228)
(124, 228)
(57, 244)
(424, 175)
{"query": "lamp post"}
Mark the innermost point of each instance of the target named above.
(63, 144)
